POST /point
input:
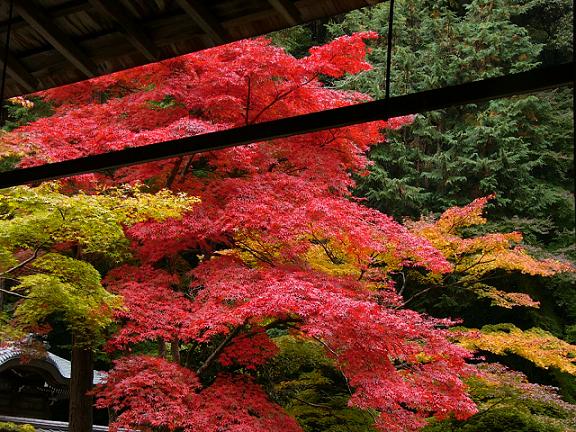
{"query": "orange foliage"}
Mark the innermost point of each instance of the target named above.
(474, 258)
(536, 345)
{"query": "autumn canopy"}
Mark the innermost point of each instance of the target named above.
(211, 257)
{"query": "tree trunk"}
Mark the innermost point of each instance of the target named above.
(1, 294)
(80, 416)
(175, 350)
(161, 348)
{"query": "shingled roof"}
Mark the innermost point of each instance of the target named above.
(58, 367)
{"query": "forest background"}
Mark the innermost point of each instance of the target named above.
(519, 149)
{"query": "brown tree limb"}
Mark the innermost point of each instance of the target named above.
(174, 172)
(23, 263)
(219, 349)
(13, 293)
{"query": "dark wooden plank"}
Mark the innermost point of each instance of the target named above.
(52, 69)
(17, 70)
(205, 20)
(287, 10)
(133, 31)
(68, 8)
(474, 92)
(39, 21)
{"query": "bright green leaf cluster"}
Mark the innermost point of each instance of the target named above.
(51, 245)
(69, 287)
(43, 217)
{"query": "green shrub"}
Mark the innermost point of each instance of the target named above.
(13, 427)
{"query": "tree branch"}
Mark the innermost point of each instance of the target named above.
(23, 263)
(174, 172)
(331, 256)
(256, 254)
(282, 95)
(401, 291)
(424, 291)
(175, 350)
(313, 404)
(13, 293)
(337, 365)
(219, 349)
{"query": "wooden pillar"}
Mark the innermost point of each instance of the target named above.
(81, 404)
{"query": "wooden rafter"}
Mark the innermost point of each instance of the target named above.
(469, 93)
(54, 57)
(68, 8)
(205, 20)
(38, 20)
(287, 10)
(17, 71)
(133, 32)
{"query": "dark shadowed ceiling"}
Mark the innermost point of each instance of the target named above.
(57, 42)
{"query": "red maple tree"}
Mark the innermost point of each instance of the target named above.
(276, 242)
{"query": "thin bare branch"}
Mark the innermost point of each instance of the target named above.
(13, 293)
(401, 291)
(313, 404)
(337, 365)
(23, 263)
(418, 294)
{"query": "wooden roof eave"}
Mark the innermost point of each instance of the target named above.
(54, 45)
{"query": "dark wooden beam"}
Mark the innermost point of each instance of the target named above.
(469, 93)
(140, 40)
(39, 21)
(205, 20)
(17, 71)
(68, 8)
(287, 10)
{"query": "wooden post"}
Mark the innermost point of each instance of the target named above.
(81, 404)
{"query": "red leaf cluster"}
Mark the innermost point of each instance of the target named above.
(249, 350)
(150, 391)
(277, 237)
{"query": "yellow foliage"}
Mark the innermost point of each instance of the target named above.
(536, 345)
(324, 259)
(252, 250)
(474, 258)
(502, 298)
(336, 257)
(19, 100)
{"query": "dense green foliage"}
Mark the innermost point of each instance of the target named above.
(517, 148)
(549, 22)
(21, 111)
(312, 389)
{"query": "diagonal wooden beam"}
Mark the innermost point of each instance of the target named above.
(140, 40)
(205, 20)
(39, 21)
(68, 8)
(287, 10)
(17, 71)
(469, 93)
